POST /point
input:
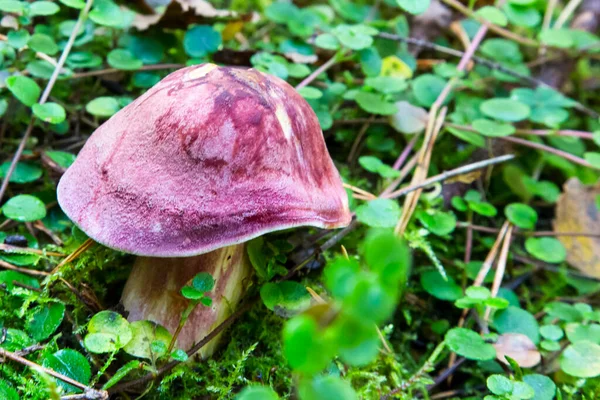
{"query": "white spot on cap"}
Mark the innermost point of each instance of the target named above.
(284, 121)
(200, 72)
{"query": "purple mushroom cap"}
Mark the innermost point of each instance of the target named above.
(209, 157)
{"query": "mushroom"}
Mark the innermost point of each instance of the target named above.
(206, 160)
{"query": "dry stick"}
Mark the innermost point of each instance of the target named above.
(535, 132)
(358, 139)
(434, 126)
(487, 229)
(403, 174)
(109, 71)
(483, 271)
(16, 249)
(27, 271)
(449, 174)
(494, 28)
(501, 267)
(548, 14)
(566, 13)
(404, 155)
(360, 191)
(307, 81)
(80, 250)
(92, 393)
(543, 147)
(44, 97)
(430, 134)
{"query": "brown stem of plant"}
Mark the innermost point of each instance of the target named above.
(308, 80)
(494, 28)
(27, 271)
(543, 147)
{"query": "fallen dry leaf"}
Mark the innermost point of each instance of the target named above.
(518, 347)
(576, 211)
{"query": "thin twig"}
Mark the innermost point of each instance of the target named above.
(315, 74)
(27, 271)
(97, 394)
(500, 268)
(566, 13)
(28, 250)
(492, 27)
(543, 147)
(80, 250)
(449, 174)
(535, 132)
(108, 71)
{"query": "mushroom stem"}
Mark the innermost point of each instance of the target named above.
(152, 292)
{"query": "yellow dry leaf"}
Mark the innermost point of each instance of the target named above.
(393, 66)
(231, 29)
(576, 211)
(467, 178)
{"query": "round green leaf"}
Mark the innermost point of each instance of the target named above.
(25, 172)
(123, 59)
(593, 158)
(25, 89)
(304, 347)
(375, 103)
(45, 320)
(107, 13)
(327, 41)
(507, 110)
(469, 344)
(414, 6)
(581, 359)
(11, 6)
(285, 297)
(78, 4)
(24, 208)
(43, 44)
(379, 213)
(62, 158)
(103, 106)
(493, 15)
(551, 332)
(492, 128)
(326, 388)
(427, 88)
(516, 320)
(203, 282)
(557, 38)
(544, 387)
(257, 393)
(435, 285)
(499, 385)
(578, 332)
(50, 112)
(69, 363)
(144, 333)
(201, 40)
(43, 8)
(17, 39)
(521, 215)
(547, 249)
(528, 17)
(107, 331)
